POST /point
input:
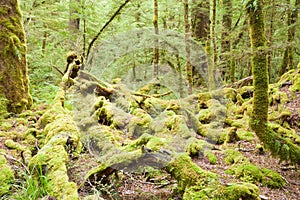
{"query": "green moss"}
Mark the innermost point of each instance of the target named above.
(211, 157)
(238, 191)
(6, 176)
(249, 173)
(14, 145)
(51, 114)
(246, 135)
(139, 123)
(233, 156)
(287, 133)
(155, 143)
(196, 147)
(272, 179)
(201, 193)
(188, 174)
(276, 96)
(230, 94)
(246, 92)
(232, 135)
(52, 158)
(296, 84)
(3, 107)
(5, 126)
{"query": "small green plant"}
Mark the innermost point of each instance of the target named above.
(30, 186)
(103, 187)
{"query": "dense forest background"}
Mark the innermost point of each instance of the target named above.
(55, 27)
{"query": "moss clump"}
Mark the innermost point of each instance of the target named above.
(202, 192)
(249, 173)
(296, 82)
(237, 191)
(188, 174)
(232, 135)
(246, 135)
(14, 145)
(5, 126)
(272, 179)
(6, 176)
(196, 147)
(253, 174)
(232, 157)
(211, 157)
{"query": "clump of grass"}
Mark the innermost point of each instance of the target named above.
(31, 185)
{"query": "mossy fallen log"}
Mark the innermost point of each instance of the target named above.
(59, 141)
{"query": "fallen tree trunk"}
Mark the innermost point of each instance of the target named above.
(59, 142)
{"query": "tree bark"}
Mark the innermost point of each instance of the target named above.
(225, 42)
(14, 83)
(259, 116)
(74, 22)
(200, 21)
(156, 48)
(287, 61)
(188, 67)
(200, 30)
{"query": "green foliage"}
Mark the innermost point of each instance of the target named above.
(6, 175)
(32, 185)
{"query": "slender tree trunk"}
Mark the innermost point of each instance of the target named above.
(270, 38)
(225, 42)
(156, 47)
(213, 54)
(74, 22)
(188, 67)
(287, 61)
(200, 30)
(213, 31)
(84, 28)
(259, 118)
(14, 83)
(44, 45)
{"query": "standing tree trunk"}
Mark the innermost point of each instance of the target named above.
(14, 83)
(270, 37)
(156, 48)
(225, 42)
(259, 116)
(74, 22)
(213, 30)
(200, 21)
(188, 67)
(200, 29)
(287, 61)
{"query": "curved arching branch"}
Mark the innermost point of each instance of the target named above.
(105, 25)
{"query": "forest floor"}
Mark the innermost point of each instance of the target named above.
(147, 184)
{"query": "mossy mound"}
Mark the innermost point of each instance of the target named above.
(237, 191)
(6, 175)
(253, 174)
(233, 157)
